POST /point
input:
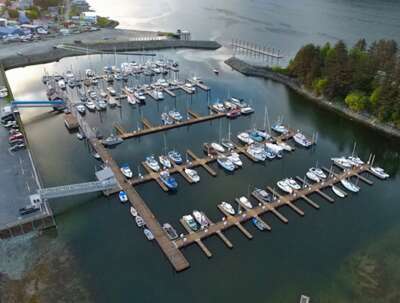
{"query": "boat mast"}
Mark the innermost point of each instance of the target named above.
(354, 148)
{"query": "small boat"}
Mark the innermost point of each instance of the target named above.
(380, 172)
(350, 186)
(279, 128)
(140, 96)
(224, 162)
(112, 140)
(96, 155)
(192, 175)
(293, 184)
(243, 200)
(262, 195)
(126, 171)
(284, 186)
(259, 224)
(233, 113)
(285, 146)
(81, 109)
(245, 138)
(175, 156)
(169, 181)
(235, 158)
(123, 197)
(257, 152)
(255, 136)
(318, 172)
(188, 219)
(247, 110)
(343, 162)
(302, 140)
(313, 177)
(133, 211)
(139, 221)
(227, 144)
(228, 208)
(166, 119)
(218, 147)
(238, 102)
(170, 231)
(164, 160)
(149, 235)
(175, 115)
(152, 163)
(338, 192)
(200, 218)
(219, 107)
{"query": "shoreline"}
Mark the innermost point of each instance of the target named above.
(267, 73)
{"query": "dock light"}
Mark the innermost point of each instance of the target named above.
(259, 204)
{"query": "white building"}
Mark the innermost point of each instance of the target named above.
(184, 34)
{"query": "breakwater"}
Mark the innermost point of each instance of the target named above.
(267, 73)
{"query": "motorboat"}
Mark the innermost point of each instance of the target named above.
(227, 144)
(209, 150)
(123, 197)
(188, 219)
(149, 235)
(175, 156)
(218, 147)
(350, 186)
(175, 115)
(257, 152)
(112, 140)
(355, 160)
(283, 185)
(245, 138)
(343, 162)
(228, 208)
(126, 171)
(219, 107)
(166, 119)
(81, 109)
(318, 172)
(96, 156)
(247, 110)
(216, 71)
(131, 99)
(192, 175)
(238, 102)
(170, 231)
(285, 146)
(200, 218)
(262, 195)
(90, 105)
(164, 160)
(152, 163)
(275, 148)
(259, 224)
(233, 113)
(338, 192)
(380, 172)
(313, 177)
(235, 158)
(302, 140)
(224, 162)
(255, 136)
(293, 184)
(133, 211)
(139, 221)
(279, 128)
(159, 95)
(244, 201)
(169, 181)
(140, 96)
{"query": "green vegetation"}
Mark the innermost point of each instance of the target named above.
(44, 4)
(13, 13)
(365, 78)
(33, 13)
(106, 22)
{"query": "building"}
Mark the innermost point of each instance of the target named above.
(183, 34)
(3, 22)
(90, 17)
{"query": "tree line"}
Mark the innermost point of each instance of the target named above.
(365, 77)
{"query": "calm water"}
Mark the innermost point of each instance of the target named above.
(118, 264)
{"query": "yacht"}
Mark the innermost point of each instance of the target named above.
(380, 172)
(192, 174)
(188, 219)
(200, 218)
(262, 195)
(350, 186)
(170, 231)
(283, 185)
(225, 163)
(123, 197)
(169, 181)
(112, 140)
(259, 224)
(244, 201)
(235, 158)
(302, 140)
(175, 156)
(275, 148)
(293, 184)
(139, 221)
(217, 147)
(164, 160)
(166, 119)
(149, 235)
(285, 146)
(133, 211)
(228, 208)
(175, 115)
(257, 152)
(126, 171)
(338, 192)
(343, 162)
(245, 138)
(313, 177)
(355, 160)
(318, 172)
(81, 109)
(152, 163)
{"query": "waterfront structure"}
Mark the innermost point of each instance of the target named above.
(90, 17)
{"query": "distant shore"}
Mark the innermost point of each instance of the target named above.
(268, 73)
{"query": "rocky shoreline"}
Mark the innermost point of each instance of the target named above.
(268, 73)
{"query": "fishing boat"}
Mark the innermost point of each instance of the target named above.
(245, 138)
(235, 158)
(188, 219)
(302, 140)
(380, 172)
(152, 163)
(257, 152)
(133, 211)
(259, 224)
(313, 177)
(166, 119)
(227, 144)
(149, 235)
(164, 160)
(170, 231)
(112, 140)
(200, 218)
(126, 171)
(139, 221)
(217, 147)
(244, 201)
(175, 115)
(175, 156)
(81, 109)
(350, 186)
(228, 208)
(169, 181)
(283, 185)
(338, 192)
(123, 197)
(262, 195)
(192, 175)
(343, 162)
(247, 110)
(293, 184)
(318, 172)
(225, 163)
